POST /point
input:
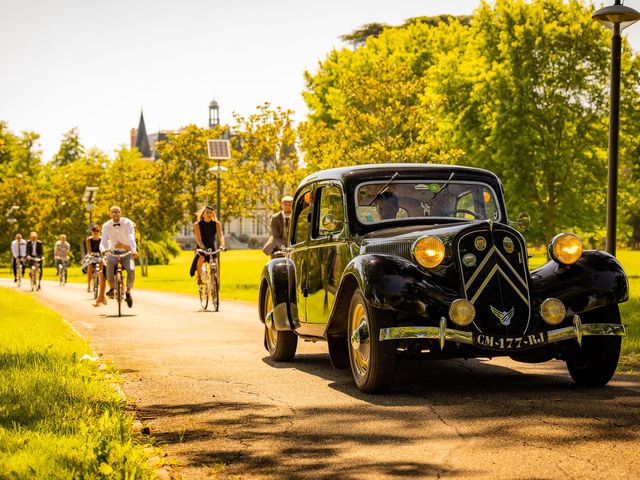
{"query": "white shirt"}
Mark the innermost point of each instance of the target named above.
(61, 250)
(19, 251)
(113, 234)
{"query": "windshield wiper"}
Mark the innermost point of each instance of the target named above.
(446, 184)
(384, 189)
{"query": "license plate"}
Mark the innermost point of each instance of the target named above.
(498, 342)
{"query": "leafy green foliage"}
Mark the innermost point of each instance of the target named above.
(521, 89)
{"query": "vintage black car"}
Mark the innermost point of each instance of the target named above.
(395, 260)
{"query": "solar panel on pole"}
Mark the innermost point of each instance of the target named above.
(218, 149)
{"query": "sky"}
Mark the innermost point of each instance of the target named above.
(95, 65)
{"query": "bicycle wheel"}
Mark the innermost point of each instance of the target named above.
(214, 291)
(19, 275)
(119, 292)
(203, 288)
(61, 275)
(32, 277)
(96, 283)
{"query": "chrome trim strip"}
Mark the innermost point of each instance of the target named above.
(479, 267)
(516, 289)
(435, 333)
(524, 283)
(442, 333)
(579, 330)
(483, 285)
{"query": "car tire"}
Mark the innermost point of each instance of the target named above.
(281, 345)
(372, 361)
(594, 363)
(338, 352)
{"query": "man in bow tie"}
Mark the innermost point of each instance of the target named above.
(118, 234)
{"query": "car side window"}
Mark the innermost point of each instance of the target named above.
(301, 213)
(330, 218)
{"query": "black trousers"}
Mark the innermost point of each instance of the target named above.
(14, 265)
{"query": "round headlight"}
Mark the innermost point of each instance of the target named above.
(553, 311)
(565, 248)
(428, 251)
(462, 312)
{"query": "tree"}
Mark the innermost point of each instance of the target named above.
(265, 164)
(375, 105)
(185, 167)
(70, 151)
(529, 102)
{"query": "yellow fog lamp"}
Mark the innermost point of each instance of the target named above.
(553, 311)
(428, 251)
(565, 248)
(462, 312)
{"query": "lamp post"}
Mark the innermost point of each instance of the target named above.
(89, 198)
(10, 219)
(616, 17)
(218, 150)
(218, 171)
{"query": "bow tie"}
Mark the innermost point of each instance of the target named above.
(116, 224)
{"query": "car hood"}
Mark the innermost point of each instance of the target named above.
(372, 242)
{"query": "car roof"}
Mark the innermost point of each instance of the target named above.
(352, 172)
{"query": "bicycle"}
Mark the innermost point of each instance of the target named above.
(34, 273)
(62, 272)
(96, 263)
(209, 279)
(120, 290)
(19, 267)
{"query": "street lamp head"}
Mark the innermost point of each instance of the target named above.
(616, 15)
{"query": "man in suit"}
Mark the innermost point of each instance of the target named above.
(280, 223)
(34, 250)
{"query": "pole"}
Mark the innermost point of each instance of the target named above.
(614, 128)
(218, 192)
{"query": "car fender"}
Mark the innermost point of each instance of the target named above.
(389, 282)
(594, 281)
(279, 275)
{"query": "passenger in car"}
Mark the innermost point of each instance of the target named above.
(387, 206)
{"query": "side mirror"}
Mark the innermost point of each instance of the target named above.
(522, 221)
(330, 224)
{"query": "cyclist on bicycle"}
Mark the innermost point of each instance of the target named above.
(92, 244)
(18, 252)
(35, 252)
(118, 234)
(208, 232)
(61, 252)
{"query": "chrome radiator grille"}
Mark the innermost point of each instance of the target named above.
(495, 279)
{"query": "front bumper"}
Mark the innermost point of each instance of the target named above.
(444, 334)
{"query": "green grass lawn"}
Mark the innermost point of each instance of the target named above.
(59, 417)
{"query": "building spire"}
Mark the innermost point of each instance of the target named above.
(142, 140)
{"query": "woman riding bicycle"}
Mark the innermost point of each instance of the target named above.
(92, 244)
(208, 232)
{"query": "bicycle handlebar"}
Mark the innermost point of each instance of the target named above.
(208, 251)
(119, 255)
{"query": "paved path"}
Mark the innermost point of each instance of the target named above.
(206, 387)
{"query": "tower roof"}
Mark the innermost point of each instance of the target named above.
(142, 140)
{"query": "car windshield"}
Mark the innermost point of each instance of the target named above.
(384, 201)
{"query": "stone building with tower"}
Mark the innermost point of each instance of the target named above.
(242, 232)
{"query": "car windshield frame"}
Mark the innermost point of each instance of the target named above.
(367, 215)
